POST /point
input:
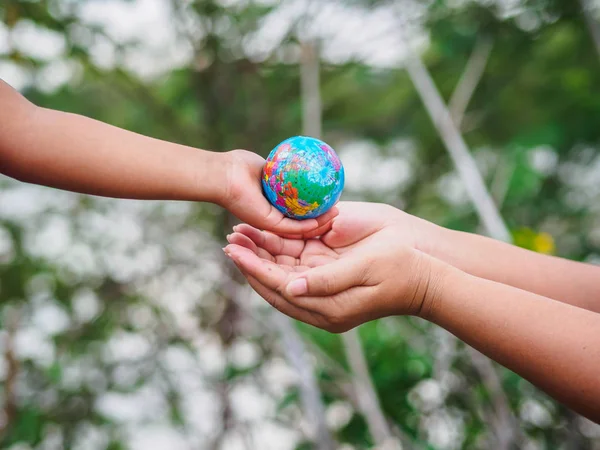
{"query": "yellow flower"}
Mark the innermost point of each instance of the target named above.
(543, 243)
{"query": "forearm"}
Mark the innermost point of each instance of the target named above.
(554, 345)
(560, 279)
(79, 154)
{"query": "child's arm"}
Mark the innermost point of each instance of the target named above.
(337, 283)
(554, 345)
(560, 279)
(75, 153)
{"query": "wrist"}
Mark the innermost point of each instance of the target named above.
(437, 241)
(210, 176)
(429, 238)
(440, 280)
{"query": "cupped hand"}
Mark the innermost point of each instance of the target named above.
(366, 267)
(244, 198)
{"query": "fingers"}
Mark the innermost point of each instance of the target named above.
(282, 305)
(272, 243)
(326, 280)
(351, 227)
(315, 233)
(269, 274)
(244, 241)
(325, 223)
(278, 223)
(248, 263)
(329, 279)
(335, 313)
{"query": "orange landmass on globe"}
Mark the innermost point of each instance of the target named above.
(294, 206)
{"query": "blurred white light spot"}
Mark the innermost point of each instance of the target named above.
(125, 376)
(163, 49)
(279, 375)
(244, 354)
(445, 430)
(50, 319)
(269, 436)
(179, 359)
(427, 395)
(53, 438)
(16, 76)
(543, 159)
(145, 404)
(25, 201)
(85, 305)
(52, 239)
(535, 413)
(6, 246)
(249, 403)
(31, 343)
(55, 75)
(124, 346)
(339, 414)
(157, 437)
(452, 189)
(365, 170)
(90, 437)
(211, 355)
(103, 53)
(141, 316)
(4, 45)
(37, 42)
(589, 428)
(202, 409)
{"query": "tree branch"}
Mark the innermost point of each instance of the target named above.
(366, 395)
(458, 150)
(504, 425)
(591, 22)
(469, 79)
(12, 371)
(311, 97)
(361, 380)
(295, 352)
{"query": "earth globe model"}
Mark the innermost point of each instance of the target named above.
(303, 177)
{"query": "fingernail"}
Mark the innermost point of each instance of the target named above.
(235, 227)
(228, 237)
(298, 287)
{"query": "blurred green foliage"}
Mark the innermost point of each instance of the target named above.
(532, 124)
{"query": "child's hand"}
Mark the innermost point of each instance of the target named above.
(366, 267)
(78, 154)
(243, 196)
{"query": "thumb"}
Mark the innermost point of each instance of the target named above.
(329, 279)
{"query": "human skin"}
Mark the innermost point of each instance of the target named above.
(557, 278)
(370, 265)
(75, 153)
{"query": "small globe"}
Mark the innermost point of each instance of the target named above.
(303, 177)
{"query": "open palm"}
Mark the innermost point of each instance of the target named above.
(348, 276)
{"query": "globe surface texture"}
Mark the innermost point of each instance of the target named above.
(303, 177)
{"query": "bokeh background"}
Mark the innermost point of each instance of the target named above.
(124, 327)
